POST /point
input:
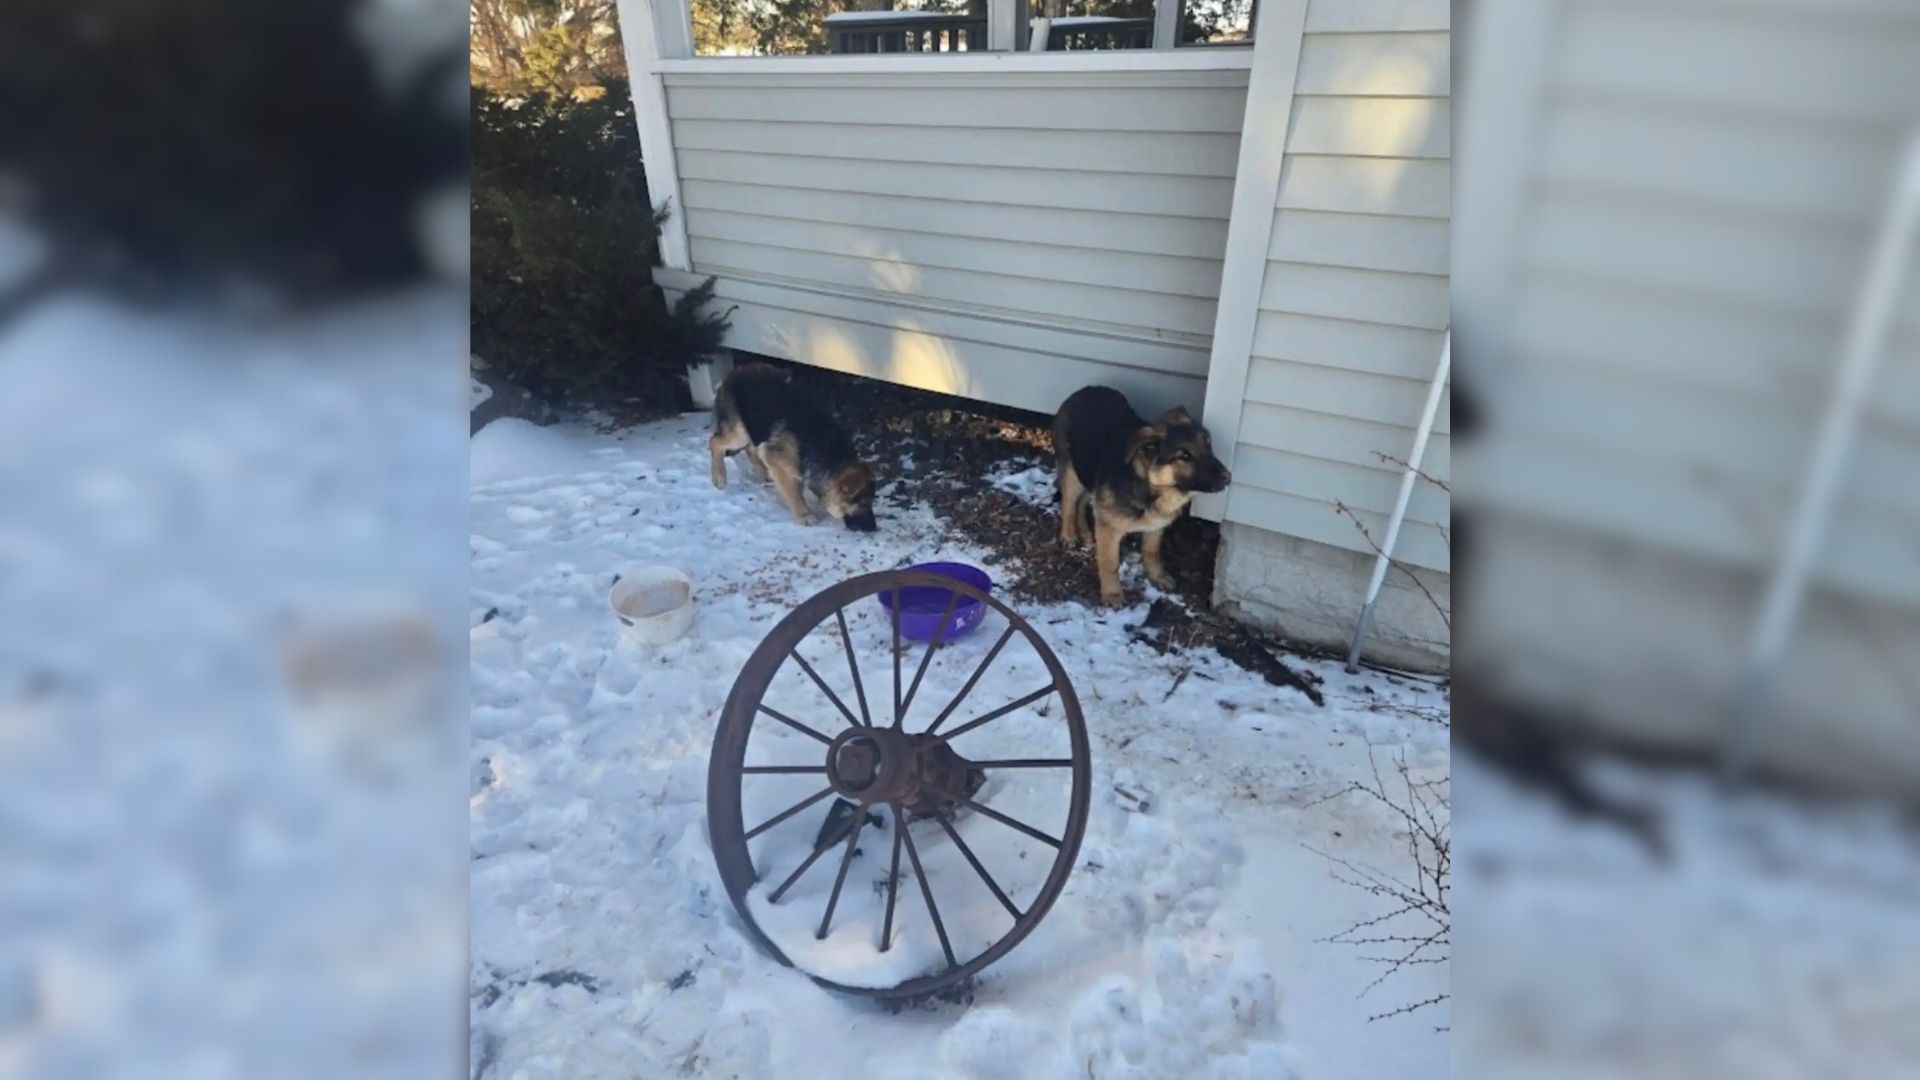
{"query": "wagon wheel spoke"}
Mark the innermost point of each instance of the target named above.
(840, 879)
(825, 689)
(1025, 763)
(996, 815)
(794, 724)
(893, 879)
(852, 822)
(1012, 706)
(985, 663)
(781, 770)
(853, 666)
(974, 861)
(787, 813)
(939, 636)
(893, 610)
(926, 893)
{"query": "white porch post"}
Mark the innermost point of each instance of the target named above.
(656, 30)
(704, 379)
(1004, 20)
(1166, 23)
(643, 42)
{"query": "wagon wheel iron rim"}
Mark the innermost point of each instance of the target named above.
(871, 761)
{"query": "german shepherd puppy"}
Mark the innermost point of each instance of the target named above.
(789, 437)
(1137, 476)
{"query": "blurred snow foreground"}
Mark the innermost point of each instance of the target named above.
(1188, 941)
(1778, 937)
(230, 692)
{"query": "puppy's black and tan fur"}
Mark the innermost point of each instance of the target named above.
(790, 438)
(1138, 476)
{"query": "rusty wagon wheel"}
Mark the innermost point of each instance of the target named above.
(880, 761)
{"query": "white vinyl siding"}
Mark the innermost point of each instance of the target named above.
(950, 350)
(1696, 216)
(1353, 301)
(1396, 187)
(1075, 215)
(994, 189)
(1380, 16)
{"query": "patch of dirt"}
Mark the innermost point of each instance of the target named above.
(942, 449)
(1170, 627)
(779, 584)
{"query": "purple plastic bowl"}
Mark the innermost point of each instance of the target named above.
(922, 606)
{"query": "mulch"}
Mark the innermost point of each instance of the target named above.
(937, 448)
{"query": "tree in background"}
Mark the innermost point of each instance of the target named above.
(564, 241)
(722, 28)
(569, 48)
(1216, 20)
(790, 27)
(213, 150)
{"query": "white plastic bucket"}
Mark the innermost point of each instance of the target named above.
(653, 603)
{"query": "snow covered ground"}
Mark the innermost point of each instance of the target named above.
(207, 868)
(1778, 939)
(1187, 943)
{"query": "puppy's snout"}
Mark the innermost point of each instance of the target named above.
(862, 522)
(1217, 476)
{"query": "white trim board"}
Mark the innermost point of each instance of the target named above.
(1211, 58)
(1256, 190)
(656, 131)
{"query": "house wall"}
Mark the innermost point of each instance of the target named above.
(1332, 318)
(1005, 235)
(1660, 283)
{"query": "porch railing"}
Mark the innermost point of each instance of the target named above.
(1075, 32)
(930, 31)
(905, 31)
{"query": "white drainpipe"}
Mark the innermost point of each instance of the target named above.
(1860, 356)
(1407, 478)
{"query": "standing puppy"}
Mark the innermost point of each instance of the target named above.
(1138, 476)
(787, 436)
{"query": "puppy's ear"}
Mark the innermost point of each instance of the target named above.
(1176, 415)
(1144, 443)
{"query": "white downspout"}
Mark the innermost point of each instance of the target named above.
(1865, 340)
(1407, 478)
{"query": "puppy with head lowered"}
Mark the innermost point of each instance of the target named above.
(1138, 477)
(790, 438)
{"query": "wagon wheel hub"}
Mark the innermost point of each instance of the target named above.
(882, 765)
(937, 768)
(869, 765)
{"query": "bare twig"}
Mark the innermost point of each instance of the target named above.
(1391, 460)
(1178, 679)
(1425, 810)
(1446, 617)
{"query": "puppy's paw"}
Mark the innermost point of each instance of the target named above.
(1160, 578)
(806, 519)
(1113, 597)
(720, 479)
